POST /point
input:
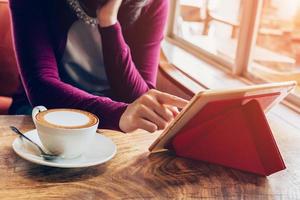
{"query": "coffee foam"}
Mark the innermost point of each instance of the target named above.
(67, 118)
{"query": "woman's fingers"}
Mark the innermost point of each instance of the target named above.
(173, 109)
(164, 98)
(149, 114)
(152, 111)
(160, 109)
(146, 125)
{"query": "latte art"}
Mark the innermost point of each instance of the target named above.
(66, 118)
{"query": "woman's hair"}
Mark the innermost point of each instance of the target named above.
(135, 8)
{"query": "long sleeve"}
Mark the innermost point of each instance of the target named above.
(132, 68)
(39, 70)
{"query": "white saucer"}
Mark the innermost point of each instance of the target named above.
(100, 151)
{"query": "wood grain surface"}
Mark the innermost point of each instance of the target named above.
(134, 174)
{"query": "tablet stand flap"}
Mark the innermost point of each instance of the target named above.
(239, 138)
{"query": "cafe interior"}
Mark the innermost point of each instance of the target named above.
(237, 65)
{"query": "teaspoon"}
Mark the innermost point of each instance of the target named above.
(44, 155)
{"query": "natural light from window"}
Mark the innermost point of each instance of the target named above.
(278, 41)
(210, 25)
(213, 26)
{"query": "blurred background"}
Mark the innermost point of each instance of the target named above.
(214, 26)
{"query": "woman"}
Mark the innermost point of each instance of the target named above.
(96, 55)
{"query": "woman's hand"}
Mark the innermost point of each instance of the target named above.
(107, 13)
(152, 111)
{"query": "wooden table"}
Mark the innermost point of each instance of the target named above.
(134, 174)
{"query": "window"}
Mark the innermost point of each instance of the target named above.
(210, 25)
(277, 50)
(257, 39)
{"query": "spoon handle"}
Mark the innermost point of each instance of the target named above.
(14, 129)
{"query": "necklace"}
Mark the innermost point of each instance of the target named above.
(81, 14)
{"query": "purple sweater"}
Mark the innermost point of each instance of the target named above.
(130, 52)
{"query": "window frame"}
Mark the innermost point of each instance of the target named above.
(245, 46)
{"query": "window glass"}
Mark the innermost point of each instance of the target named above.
(212, 25)
(277, 52)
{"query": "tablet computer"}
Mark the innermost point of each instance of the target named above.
(267, 95)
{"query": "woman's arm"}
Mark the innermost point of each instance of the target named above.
(133, 71)
(38, 68)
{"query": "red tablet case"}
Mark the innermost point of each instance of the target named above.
(233, 133)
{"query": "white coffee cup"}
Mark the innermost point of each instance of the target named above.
(65, 132)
